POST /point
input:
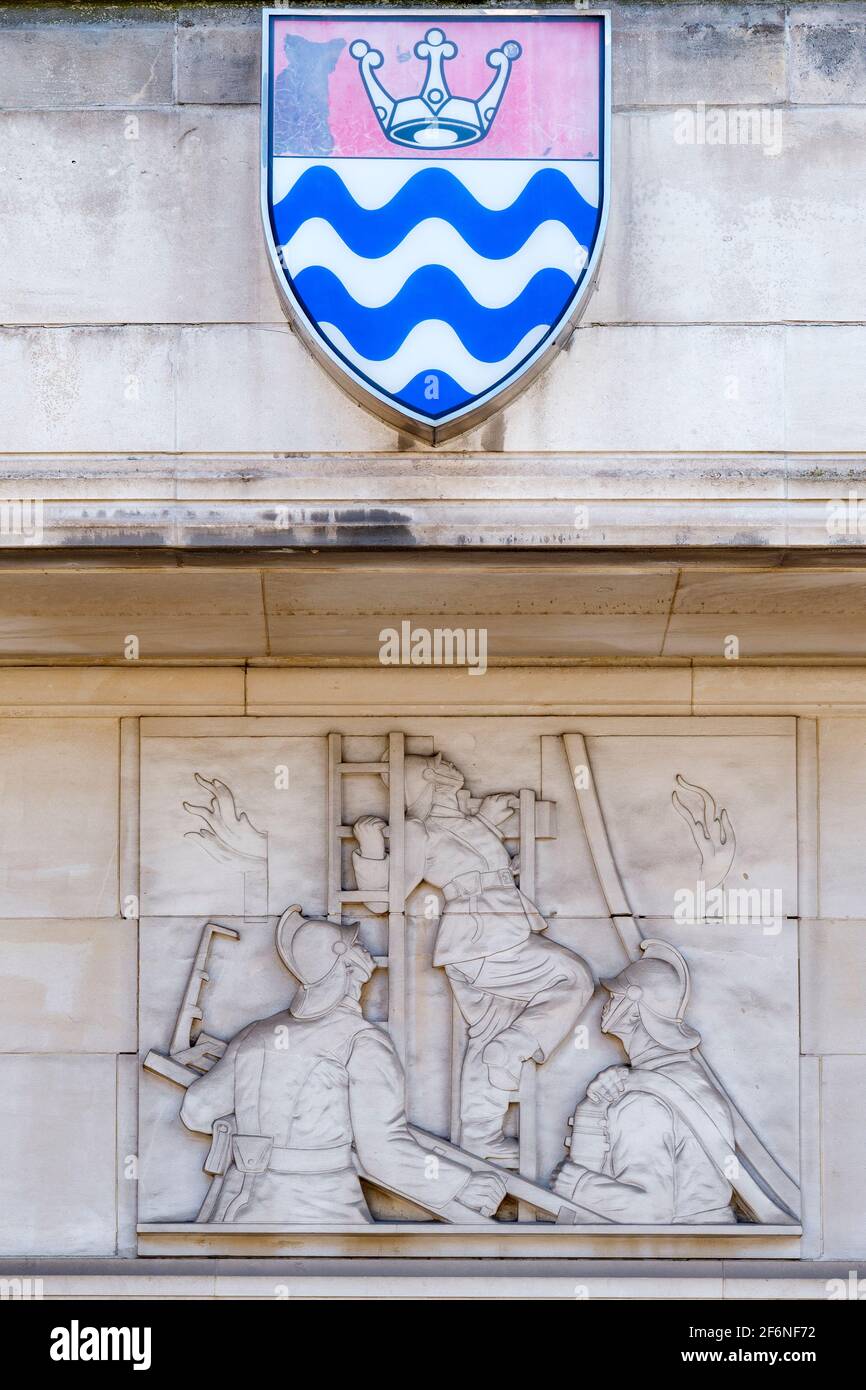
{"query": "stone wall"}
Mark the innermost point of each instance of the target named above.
(154, 395)
(139, 316)
(70, 1047)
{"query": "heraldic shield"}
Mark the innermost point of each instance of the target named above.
(434, 192)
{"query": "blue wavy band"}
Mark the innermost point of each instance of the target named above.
(320, 192)
(434, 293)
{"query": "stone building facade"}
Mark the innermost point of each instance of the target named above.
(203, 542)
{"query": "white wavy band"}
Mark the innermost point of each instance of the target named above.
(491, 283)
(495, 183)
(431, 346)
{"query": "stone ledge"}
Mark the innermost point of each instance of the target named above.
(105, 691)
(528, 1240)
(426, 1286)
(581, 523)
(428, 474)
(704, 1279)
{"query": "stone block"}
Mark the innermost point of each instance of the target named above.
(79, 64)
(383, 691)
(59, 818)
(673, 54)
(73, 389)
(174, 613)
(842, 771)
(774, 613)
(731, 218)
(832, 998)
(824, 405)
(106, 691)
(160, 220)
(844, 1105)
(803, 690)
(218, 64)
(642, 388)
(57, 1156)
(68, 986)
(259, 388)
(827, 53)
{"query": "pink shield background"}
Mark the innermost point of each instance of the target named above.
(552, 105)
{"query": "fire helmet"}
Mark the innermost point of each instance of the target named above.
(659, 985)
(315, 951)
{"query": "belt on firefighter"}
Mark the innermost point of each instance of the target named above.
(310, 1160)
(470, 884)
(256, 1153)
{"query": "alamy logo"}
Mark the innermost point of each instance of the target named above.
(438, 646)
(16, 1288)
(739, 907)
(77, 1343)
(22, 520)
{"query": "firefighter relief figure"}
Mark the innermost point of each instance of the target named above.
(300, 1103)
(295, 1096)
(519, 992)
(652, 1142)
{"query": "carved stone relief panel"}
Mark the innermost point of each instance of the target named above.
(506, 974)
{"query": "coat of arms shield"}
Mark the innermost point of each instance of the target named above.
(434, 193)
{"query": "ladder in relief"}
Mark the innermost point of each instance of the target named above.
(534, 820)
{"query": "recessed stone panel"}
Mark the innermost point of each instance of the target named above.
(453, 893)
